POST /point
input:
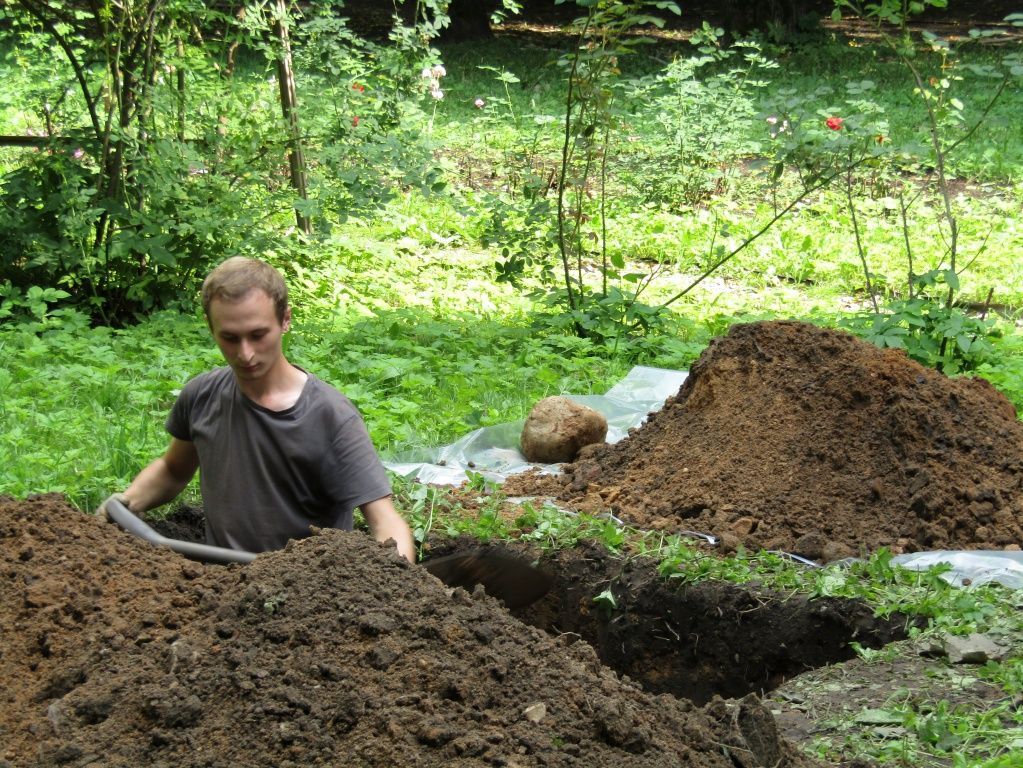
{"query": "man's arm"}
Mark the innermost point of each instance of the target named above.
(385, 523)
(164, 478)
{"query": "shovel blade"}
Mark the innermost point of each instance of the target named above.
(510, 579)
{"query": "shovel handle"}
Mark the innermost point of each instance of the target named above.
(124, 517)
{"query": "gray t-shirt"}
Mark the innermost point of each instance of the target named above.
(266, 476)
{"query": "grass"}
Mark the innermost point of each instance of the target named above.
(82, 411)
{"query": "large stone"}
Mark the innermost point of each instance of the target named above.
(557, 428)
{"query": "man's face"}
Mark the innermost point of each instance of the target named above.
(248, 333)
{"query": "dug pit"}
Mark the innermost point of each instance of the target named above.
(693, 641)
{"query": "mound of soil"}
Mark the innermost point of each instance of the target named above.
(331, 652)
(792, 437)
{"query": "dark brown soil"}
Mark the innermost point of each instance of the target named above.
(331, 652)
(683, 640)
(698, 640)
(791, 437)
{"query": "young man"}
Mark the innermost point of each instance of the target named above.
(279, 450)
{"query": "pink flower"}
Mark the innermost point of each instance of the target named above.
(479, 103)
(834, 123)
(355, 121)
(78, 154)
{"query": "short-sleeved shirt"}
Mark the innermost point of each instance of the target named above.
(267, 476)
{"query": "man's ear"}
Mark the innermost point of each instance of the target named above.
(286, 322)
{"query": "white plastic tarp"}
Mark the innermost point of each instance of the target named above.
(978, 567)
(494, 451)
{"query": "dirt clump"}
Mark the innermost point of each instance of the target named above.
(333, 651)
(792, 437)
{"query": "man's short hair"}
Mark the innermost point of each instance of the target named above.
(234, 278)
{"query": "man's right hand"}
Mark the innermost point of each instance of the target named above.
(102, 508)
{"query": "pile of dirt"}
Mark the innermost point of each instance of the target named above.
(331, 652)
(791, 437)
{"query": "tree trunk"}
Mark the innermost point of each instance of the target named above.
(286, 79)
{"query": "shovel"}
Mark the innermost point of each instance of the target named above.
(510, 579)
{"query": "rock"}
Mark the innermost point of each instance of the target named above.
(557, 428)
(744, 526)
(729, 543)
(811, 545)
(972, 649)
(534, 713)
(835, 550)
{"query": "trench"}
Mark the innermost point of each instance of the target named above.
(699, 640)
(692, 641)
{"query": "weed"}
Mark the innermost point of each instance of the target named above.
(605, 601)
(272, 604)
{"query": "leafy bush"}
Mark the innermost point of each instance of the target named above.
(704, 105)
(47, 214)
(179, 164)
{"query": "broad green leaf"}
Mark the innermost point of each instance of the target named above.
(878, 717)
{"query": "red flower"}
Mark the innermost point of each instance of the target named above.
(834, 123)
(355, 121)
(358, 87)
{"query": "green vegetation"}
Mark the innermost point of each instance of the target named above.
(471, 235)
(704, 145)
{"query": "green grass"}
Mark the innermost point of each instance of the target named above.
(82, 411)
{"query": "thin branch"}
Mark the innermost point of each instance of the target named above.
(859, 241)
(563, 175)
(904, 213)
(748, 241)
(76, 65)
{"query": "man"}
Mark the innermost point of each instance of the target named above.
(279, 450)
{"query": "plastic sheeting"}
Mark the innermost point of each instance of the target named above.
(494, 451)
(977, 567)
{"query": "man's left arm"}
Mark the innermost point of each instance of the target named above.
(385, 523)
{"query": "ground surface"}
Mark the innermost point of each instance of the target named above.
(840, 705)
(332, 652)
(791, 437)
